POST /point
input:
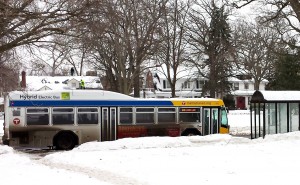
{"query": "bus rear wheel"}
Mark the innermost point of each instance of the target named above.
(64, 141)
(191, 132)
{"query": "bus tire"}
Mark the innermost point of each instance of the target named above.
(191, 132)
(65, 140)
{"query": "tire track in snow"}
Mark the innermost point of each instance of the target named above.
(101, 175)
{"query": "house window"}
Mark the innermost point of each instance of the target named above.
(186, 85)
(200, 84)
(166, 84)
(236, 86)
(246, 86)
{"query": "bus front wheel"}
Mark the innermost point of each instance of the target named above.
(65, 141)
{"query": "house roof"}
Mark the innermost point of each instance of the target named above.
(34, 83)
(192, 74)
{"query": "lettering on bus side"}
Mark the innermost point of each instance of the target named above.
(48, 97)
(40, 97)
(28, 97)
(196, 103)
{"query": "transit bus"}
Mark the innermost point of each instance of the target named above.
(64, 119)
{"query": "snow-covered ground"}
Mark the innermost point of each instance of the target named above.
(213, 159)
(239, 121)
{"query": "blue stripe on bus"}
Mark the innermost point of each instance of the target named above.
(65, 103)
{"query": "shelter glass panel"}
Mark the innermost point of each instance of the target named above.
(294, 116)
(270, 118)
(282, 117)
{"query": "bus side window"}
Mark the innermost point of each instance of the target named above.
(62, 116)
(87, 115)
(37, 116)
(126, 115)
(189, 114)
(166, 115)
(145, 115)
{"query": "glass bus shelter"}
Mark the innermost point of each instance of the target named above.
(273, 112)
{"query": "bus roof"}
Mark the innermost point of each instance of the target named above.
(98, 98)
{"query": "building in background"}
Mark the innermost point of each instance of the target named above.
(241, 88)
(154, 86)
(41, 83)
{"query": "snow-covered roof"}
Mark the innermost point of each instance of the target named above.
(243, 92)
(275, 96)
(235, 79)
(168, 94)
(192, 74)
(34, 83)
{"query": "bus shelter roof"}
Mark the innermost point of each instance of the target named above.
(275, 96)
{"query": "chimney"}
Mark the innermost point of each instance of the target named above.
(23, 82)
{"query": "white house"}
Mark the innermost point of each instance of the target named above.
(242, 90)
(73, 83)
(188, 87)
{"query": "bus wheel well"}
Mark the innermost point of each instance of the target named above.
(191, 132)
(65, 140)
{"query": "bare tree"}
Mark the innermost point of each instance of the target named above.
(284, 15)
(9, 68)
(128, 36)
(38, 68)
(173, 50)
(79, 56)
(256, 48)
(50, 58)
(278, 6)
(24, 22)
(210, 40)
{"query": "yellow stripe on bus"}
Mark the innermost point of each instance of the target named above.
(204, 103)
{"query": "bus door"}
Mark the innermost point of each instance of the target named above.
(108, 124)
(210, 121)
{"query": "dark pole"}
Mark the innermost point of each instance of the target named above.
(251, 121)
(259, 125)
(254, 120)
(276, 130)
(288, 117)
(264, 120)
